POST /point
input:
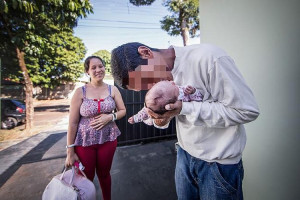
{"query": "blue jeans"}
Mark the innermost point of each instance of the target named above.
(197, 179)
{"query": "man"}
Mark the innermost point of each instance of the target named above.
(210, 133)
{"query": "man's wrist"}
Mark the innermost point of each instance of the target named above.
(158, 124)
(162, 122)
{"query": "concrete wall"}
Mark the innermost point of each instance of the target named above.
(263, 37)
(17, 91)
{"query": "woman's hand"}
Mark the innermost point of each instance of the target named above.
(71, 158)
(101, 120)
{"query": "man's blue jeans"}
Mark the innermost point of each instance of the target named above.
(198, 179)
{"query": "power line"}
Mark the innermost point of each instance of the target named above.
(137, 13)
(114, 27)
(130, 22)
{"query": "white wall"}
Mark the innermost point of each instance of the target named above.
(263, 37)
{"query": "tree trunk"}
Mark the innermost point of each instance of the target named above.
(185, 36)
(28, 91)
(184, 32)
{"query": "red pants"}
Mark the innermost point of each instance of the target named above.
(98, 157)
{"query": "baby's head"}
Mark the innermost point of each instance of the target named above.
(161, 94)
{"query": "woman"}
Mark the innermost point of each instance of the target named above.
(92, 133)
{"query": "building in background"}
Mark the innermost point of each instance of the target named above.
(263, 39)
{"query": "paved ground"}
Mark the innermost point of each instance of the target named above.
(139, 172)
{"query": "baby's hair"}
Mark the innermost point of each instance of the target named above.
(160, 100)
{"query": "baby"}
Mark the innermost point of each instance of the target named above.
(161, 94)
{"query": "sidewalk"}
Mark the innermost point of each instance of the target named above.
(139, 172)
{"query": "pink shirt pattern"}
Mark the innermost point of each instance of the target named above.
(196, 96)
(142, 115)
(86, 135)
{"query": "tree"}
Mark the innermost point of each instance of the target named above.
(26, 26)
(105, 55)
(141, 2)
(59, 61)
(185, 18)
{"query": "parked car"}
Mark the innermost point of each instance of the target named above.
(12, 113)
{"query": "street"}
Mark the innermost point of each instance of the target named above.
(51, 112)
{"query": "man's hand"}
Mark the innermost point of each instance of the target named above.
(174, 109)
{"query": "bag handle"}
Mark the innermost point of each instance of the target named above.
(78, 165)
(81, 171)
(62, 175)
(73, 173)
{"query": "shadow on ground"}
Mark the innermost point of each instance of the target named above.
(33, 156)
(139, 172)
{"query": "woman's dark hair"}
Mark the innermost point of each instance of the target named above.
(87, 62)
(124, 59)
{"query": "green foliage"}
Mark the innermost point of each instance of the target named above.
(9, 62)
(185, 15)
(43, 31)
(141, 2)
(60, 61)
(105, 55)
(182, 10)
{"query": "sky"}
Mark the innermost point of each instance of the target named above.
(116, 22)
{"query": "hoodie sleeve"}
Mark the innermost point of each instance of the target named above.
(231, 103)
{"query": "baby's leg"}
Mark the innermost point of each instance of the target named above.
(141, 116)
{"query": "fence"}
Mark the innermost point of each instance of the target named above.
(140, 132)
